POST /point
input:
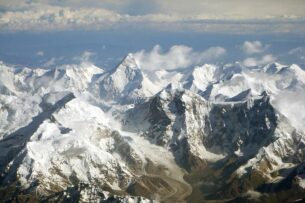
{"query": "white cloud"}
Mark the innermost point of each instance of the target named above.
(56, 18)
(253, 47)
(50, 62)
(40, 53)
(291, 107)
(249, 62)
(298, 52)
(224, 9)
(237, 9)
(178, 56)
(54, 61)
(84, 57)
(96, 15)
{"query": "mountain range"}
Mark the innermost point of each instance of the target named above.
(209, 133)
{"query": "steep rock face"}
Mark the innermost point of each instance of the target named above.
(241, 127)
(190, 126)
(242, 142)
(268, 164)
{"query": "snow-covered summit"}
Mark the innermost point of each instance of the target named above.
(129, 61)
(124, 84)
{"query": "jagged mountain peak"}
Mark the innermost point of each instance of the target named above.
(127, 69)
(129, 61)
(125, 84)
(273, 68)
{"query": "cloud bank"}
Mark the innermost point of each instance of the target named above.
(178, 56)
(56, 18)
(235, 16)
(210, 9)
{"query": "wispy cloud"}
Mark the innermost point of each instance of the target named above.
(253, 47)
(298, 52)
(40, 53)
(178, 56)
(253, 61)
(86, 56)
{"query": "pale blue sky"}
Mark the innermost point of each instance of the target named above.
(42, 33)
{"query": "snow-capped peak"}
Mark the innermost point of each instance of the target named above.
(273, 68)
(129, 61)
